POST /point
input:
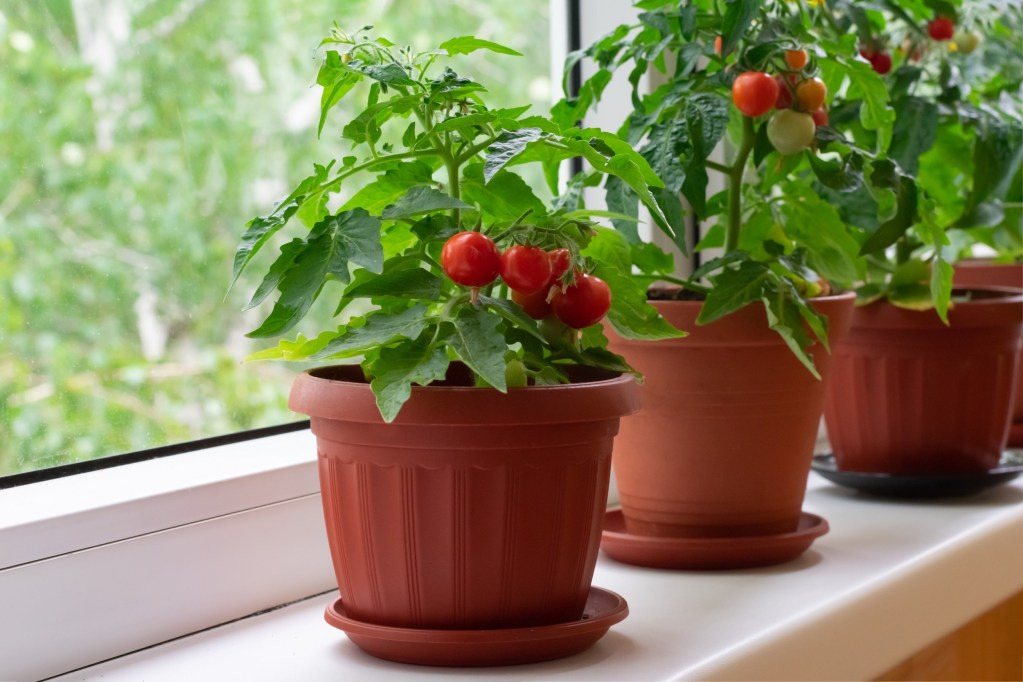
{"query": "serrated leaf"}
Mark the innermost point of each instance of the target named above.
(379, 329)
(469, 44)
(916, 126)
(510, 144)
(504, 197)
(421, 199)
(512, 311)
(739, 15)
(886, 174)
(408, 282)
(289, 252)
(784, 318)
(733, 289)
(388, 74)
(390, 186)
(396, 369)
(478, 343)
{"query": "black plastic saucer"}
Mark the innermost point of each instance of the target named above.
(921, 486)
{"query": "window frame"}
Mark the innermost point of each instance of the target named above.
(199, 533)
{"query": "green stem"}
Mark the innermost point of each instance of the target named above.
(735, 173)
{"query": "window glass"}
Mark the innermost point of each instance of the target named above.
(138, 137)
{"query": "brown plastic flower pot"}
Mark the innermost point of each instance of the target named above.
(910, 395)
(724, 442)
(473, 509)
(986, 273)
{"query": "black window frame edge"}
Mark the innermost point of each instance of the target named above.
(110, 461)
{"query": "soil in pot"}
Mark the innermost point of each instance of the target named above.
(910, 395)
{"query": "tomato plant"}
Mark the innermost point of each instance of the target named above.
(754, 93)
(583, 303)
(525, 269)
(790, 131)
(941, 28)
(810, 94)
(471, 259)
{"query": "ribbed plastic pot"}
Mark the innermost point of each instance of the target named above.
(910, 395)
(473, 509)
(724, 442)
(987, 273)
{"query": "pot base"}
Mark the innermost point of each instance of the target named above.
(708, 553)
(921, 486)
(468, 648)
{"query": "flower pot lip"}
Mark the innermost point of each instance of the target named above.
(996, 306)
(339, 392)
(835, 297)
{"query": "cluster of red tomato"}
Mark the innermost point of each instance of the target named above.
(535, 277)
(939, 28)
(798, 101)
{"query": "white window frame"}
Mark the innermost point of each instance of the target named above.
(106, 562)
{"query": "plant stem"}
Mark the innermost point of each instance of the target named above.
(735, 174)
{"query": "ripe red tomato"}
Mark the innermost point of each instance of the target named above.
(471, 259)
(754, 93)
(881, 62)
(810, 94)
(796, 59)
(791, 131)
(560, 260)
(525, 269)
(717, 45)
(820, 117)
(535, 305)
(784, 100)
(582, 303)
(941, 28)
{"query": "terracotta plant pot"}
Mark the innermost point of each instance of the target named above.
(473, 509)
(724, 443)
(986, 273)
(910, 395)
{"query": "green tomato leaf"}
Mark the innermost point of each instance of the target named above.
(739, 16)
(284, 262)
(510, 144)
(421, 199)
(480, 345)
(734, 288)
(396, 369)
(390, 186)
(887, 175)
(379, 329)
(783, 316)
(512, 311)
(916, 126)
(506, 196)
(469, 44)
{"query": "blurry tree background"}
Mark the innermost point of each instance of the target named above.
(137, 139)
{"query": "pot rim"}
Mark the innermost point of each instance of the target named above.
(612, 395)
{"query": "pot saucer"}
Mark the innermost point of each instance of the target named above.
(920, 486)
(708, 553)
(465, 648)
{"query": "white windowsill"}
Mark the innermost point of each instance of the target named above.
(888, 579)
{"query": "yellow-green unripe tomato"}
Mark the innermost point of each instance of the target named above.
(967, 42)
(791, 131)
(515, 374)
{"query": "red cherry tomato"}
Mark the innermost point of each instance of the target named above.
(582, 303)
(820, 117)
(754, 93)
(941, 28)
(881, 62)
(784, 100)
(796, 59)
(717, 45)
(525, 269)
(810, 94)
(535, 305)
(560, 260)
(471, 259)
